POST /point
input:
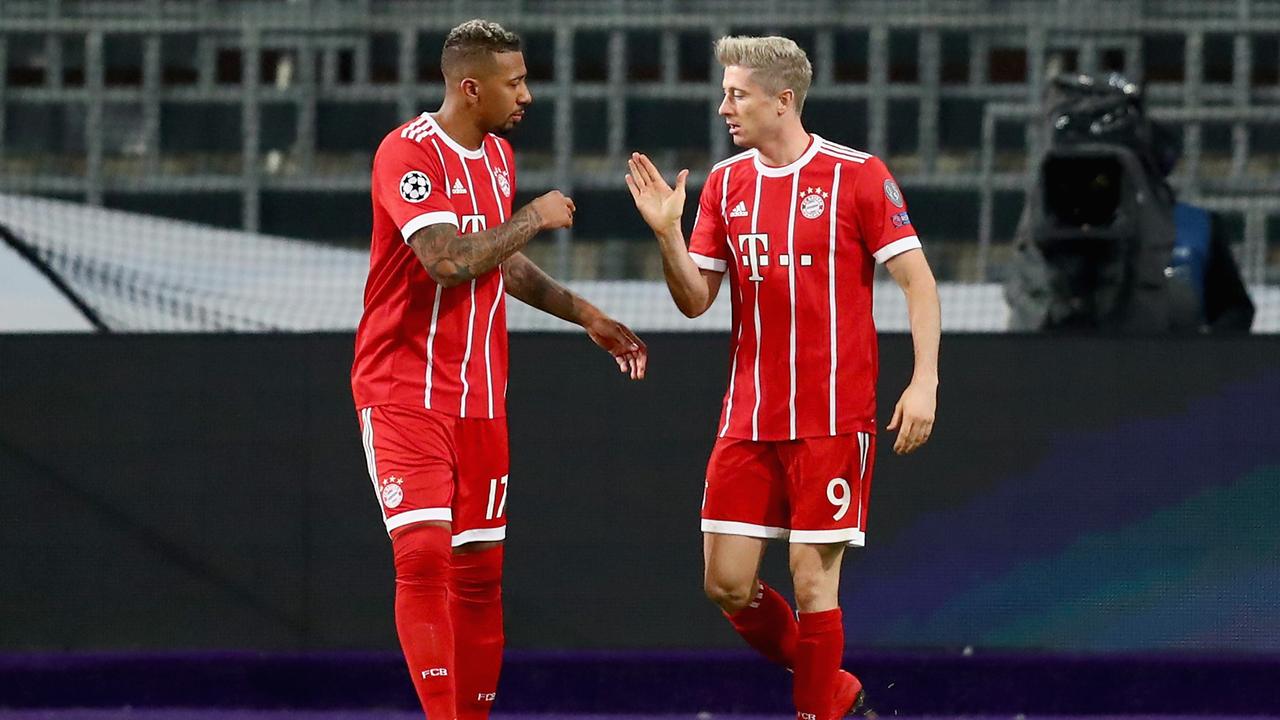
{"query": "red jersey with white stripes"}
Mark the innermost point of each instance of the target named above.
(419, 343)
(800, 244)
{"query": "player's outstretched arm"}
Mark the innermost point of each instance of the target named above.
(526, 282)
(453, 259)
(661, 206)
(915, 410)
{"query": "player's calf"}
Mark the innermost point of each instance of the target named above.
(422, 561)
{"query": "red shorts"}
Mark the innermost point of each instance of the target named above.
(426, 465)
(811, 490)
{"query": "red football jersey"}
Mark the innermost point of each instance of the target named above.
(802, 242)
(419, 343)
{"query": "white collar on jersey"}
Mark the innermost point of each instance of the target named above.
(453, 144)
(794, 166)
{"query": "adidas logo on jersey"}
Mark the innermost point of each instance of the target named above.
(739, 210)
(458, 189)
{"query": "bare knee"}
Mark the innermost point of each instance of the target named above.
(730, 594)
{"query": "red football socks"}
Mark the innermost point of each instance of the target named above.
(475, 603)
(768, 625)
(423, 555)
(818, 651)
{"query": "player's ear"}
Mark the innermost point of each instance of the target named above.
(786, 99)
(470, 88)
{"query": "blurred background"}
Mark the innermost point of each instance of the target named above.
(185, 216)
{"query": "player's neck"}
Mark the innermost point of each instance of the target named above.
(786, 147)
(458, 126)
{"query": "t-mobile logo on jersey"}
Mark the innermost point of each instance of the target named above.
(435, 672)
(755, 249)
(752, 244)
(473, 223)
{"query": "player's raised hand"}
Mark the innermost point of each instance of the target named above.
(554, 210)
(914, 414)
(627, 350)
(659, 204)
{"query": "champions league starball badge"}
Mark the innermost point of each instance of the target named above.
(892, 192)
(414, 186)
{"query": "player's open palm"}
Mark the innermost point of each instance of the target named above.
(659, 204)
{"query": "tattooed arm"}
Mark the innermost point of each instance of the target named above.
(453, 259)
(527, 283)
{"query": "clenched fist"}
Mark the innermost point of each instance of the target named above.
(554, 209)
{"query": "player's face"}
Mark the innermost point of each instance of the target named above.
(503, 94)
(748, 109)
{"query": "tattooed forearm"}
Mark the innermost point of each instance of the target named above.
(527, 283)
(452, 259)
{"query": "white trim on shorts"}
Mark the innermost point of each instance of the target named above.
(480, 535)
(729, 527)
(852, 536)
(408, 517)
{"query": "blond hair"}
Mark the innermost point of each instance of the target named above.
(776, 63)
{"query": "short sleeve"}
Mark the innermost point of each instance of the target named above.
(882, 213)
(707, 244)
(409, 184)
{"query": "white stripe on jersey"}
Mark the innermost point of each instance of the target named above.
(755, 302)
(493, 185)
(845, 149)
(493, 311)
(791, 296)
(733, 253)
(431, 341)
(897, 247)
(503, 154)
(831, 291)
(412, 127)
(488, 335)
(366, 437)
(731, 160)
(471, 318)
(423, 130)
(444, 169)
(842, 156)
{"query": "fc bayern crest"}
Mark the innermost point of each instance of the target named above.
(414, 186)
(892, 192)
(504, 183)
(392, 494)
(813, 201)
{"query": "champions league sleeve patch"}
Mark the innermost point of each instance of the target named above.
(415, 186)
(892, 192)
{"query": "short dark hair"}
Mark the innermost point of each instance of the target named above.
(476, 40)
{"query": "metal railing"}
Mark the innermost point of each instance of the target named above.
(931, 61)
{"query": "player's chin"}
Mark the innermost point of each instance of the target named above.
(511, 122)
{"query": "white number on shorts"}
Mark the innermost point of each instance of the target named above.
(843, 499)
(493, 497)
